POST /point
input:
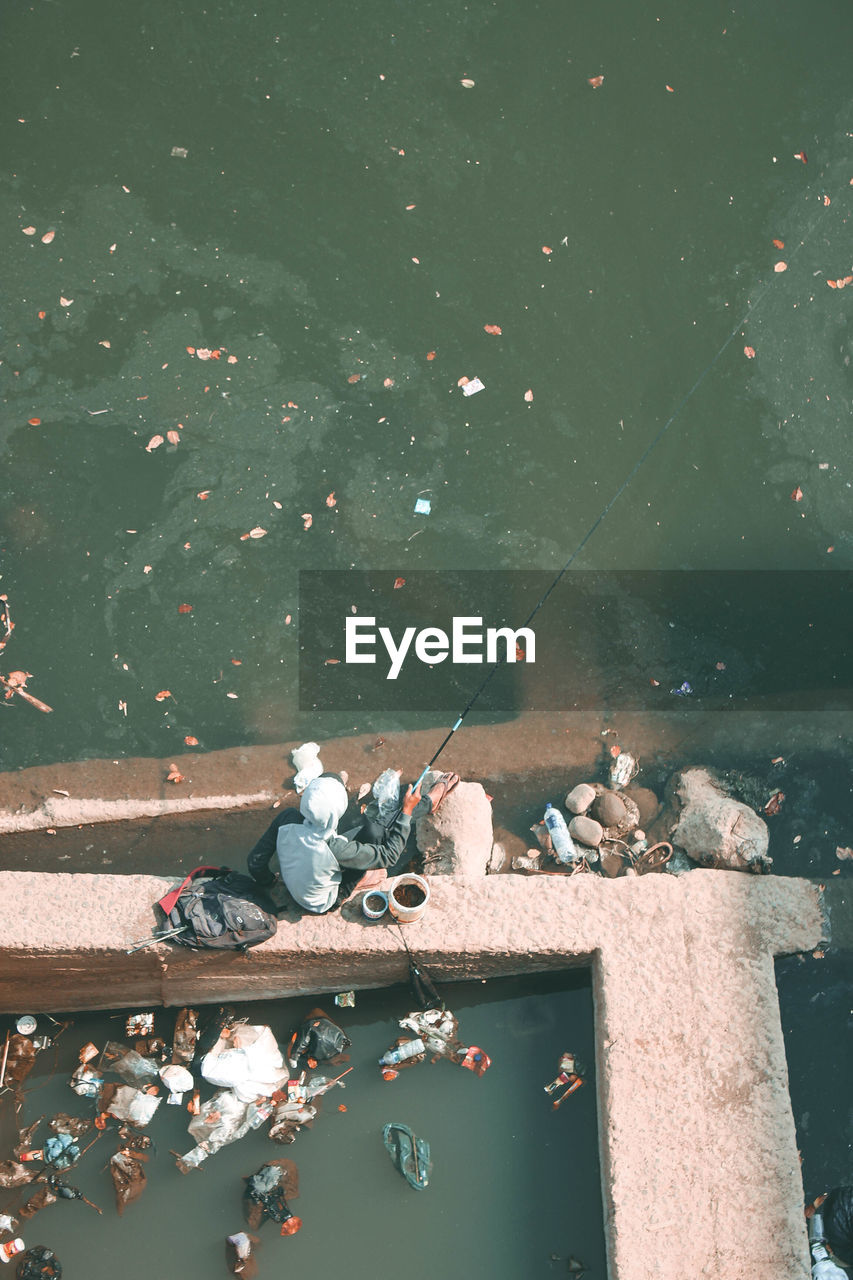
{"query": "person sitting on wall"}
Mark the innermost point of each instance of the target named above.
(313, 857)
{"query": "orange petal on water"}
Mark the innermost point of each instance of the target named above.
(232, 359)
(833, 284)
(669, 88)
(780, 244)
(174, 775)
(34, 422)
(528, 395)
(66, 302)
(797, 495)
(174, 437)
(190, 741)
(162, 695)
(430, 355)
(388, 382)
(596, 81)
(332, 662)
(494, 329)
(307, 519)
(826, 200)
(547, 249)
(257, 532)
(354, 377)
(398, 583)
(749, 352)
(185, 608)
(780, 266)
(28, 231)
(153, 443)
(236, 662)
(204, 495)
(331, 500)
(191, 351)
(42, 315)
(342, 1106)
(48, 237)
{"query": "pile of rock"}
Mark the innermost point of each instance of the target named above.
(605, 826)
(698, 824)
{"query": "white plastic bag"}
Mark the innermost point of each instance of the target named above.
(306, 760)
(248, 1061)
(132, 1105)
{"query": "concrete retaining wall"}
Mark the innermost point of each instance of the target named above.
(699, 1160)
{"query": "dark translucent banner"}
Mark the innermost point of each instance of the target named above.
(632, 640)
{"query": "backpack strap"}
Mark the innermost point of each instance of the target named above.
(167, 902)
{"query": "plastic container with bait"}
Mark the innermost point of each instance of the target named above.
(374, 904)
(408, 898)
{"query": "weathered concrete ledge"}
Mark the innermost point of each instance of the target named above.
(694, 1114)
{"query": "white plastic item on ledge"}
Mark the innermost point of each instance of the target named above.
(306, 761)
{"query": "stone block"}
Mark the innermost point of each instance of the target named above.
(712, 828)
(457, 841)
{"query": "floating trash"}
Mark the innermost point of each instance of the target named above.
(423, 506)
(410, 1154)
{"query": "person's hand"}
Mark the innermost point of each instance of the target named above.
(412, 799)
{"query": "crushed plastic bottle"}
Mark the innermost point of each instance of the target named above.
(623, 769)
(564, 846)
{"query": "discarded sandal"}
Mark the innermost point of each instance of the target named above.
(442, 787)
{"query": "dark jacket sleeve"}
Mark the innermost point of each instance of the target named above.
(362, 857)
(259, 857)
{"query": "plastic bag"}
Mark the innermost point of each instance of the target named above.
(386, 792)
(247, 1060)
(61, 1151)
(86, 1081)
(410, 1154)
(128, 1174)
(128, 1064)
(178, 1081)
(221, 1120)
(126, 1103)
(318, 1038)
(39, 1263)
(837, 1212)
(267, 1192)
(306, 760)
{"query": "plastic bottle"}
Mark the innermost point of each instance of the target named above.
(402, 1052)
(564, 846)
(10, 1248)
(262, 1111)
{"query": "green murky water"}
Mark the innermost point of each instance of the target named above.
(344, 208)
(513, 1182)
(284, 240)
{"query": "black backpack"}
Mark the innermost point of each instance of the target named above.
(220, 909)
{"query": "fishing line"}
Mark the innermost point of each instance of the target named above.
(656, 439)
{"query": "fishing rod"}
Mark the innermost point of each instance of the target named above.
(643, 458)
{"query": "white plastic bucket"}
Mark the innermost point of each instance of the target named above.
(408, 898)
(374, 903)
